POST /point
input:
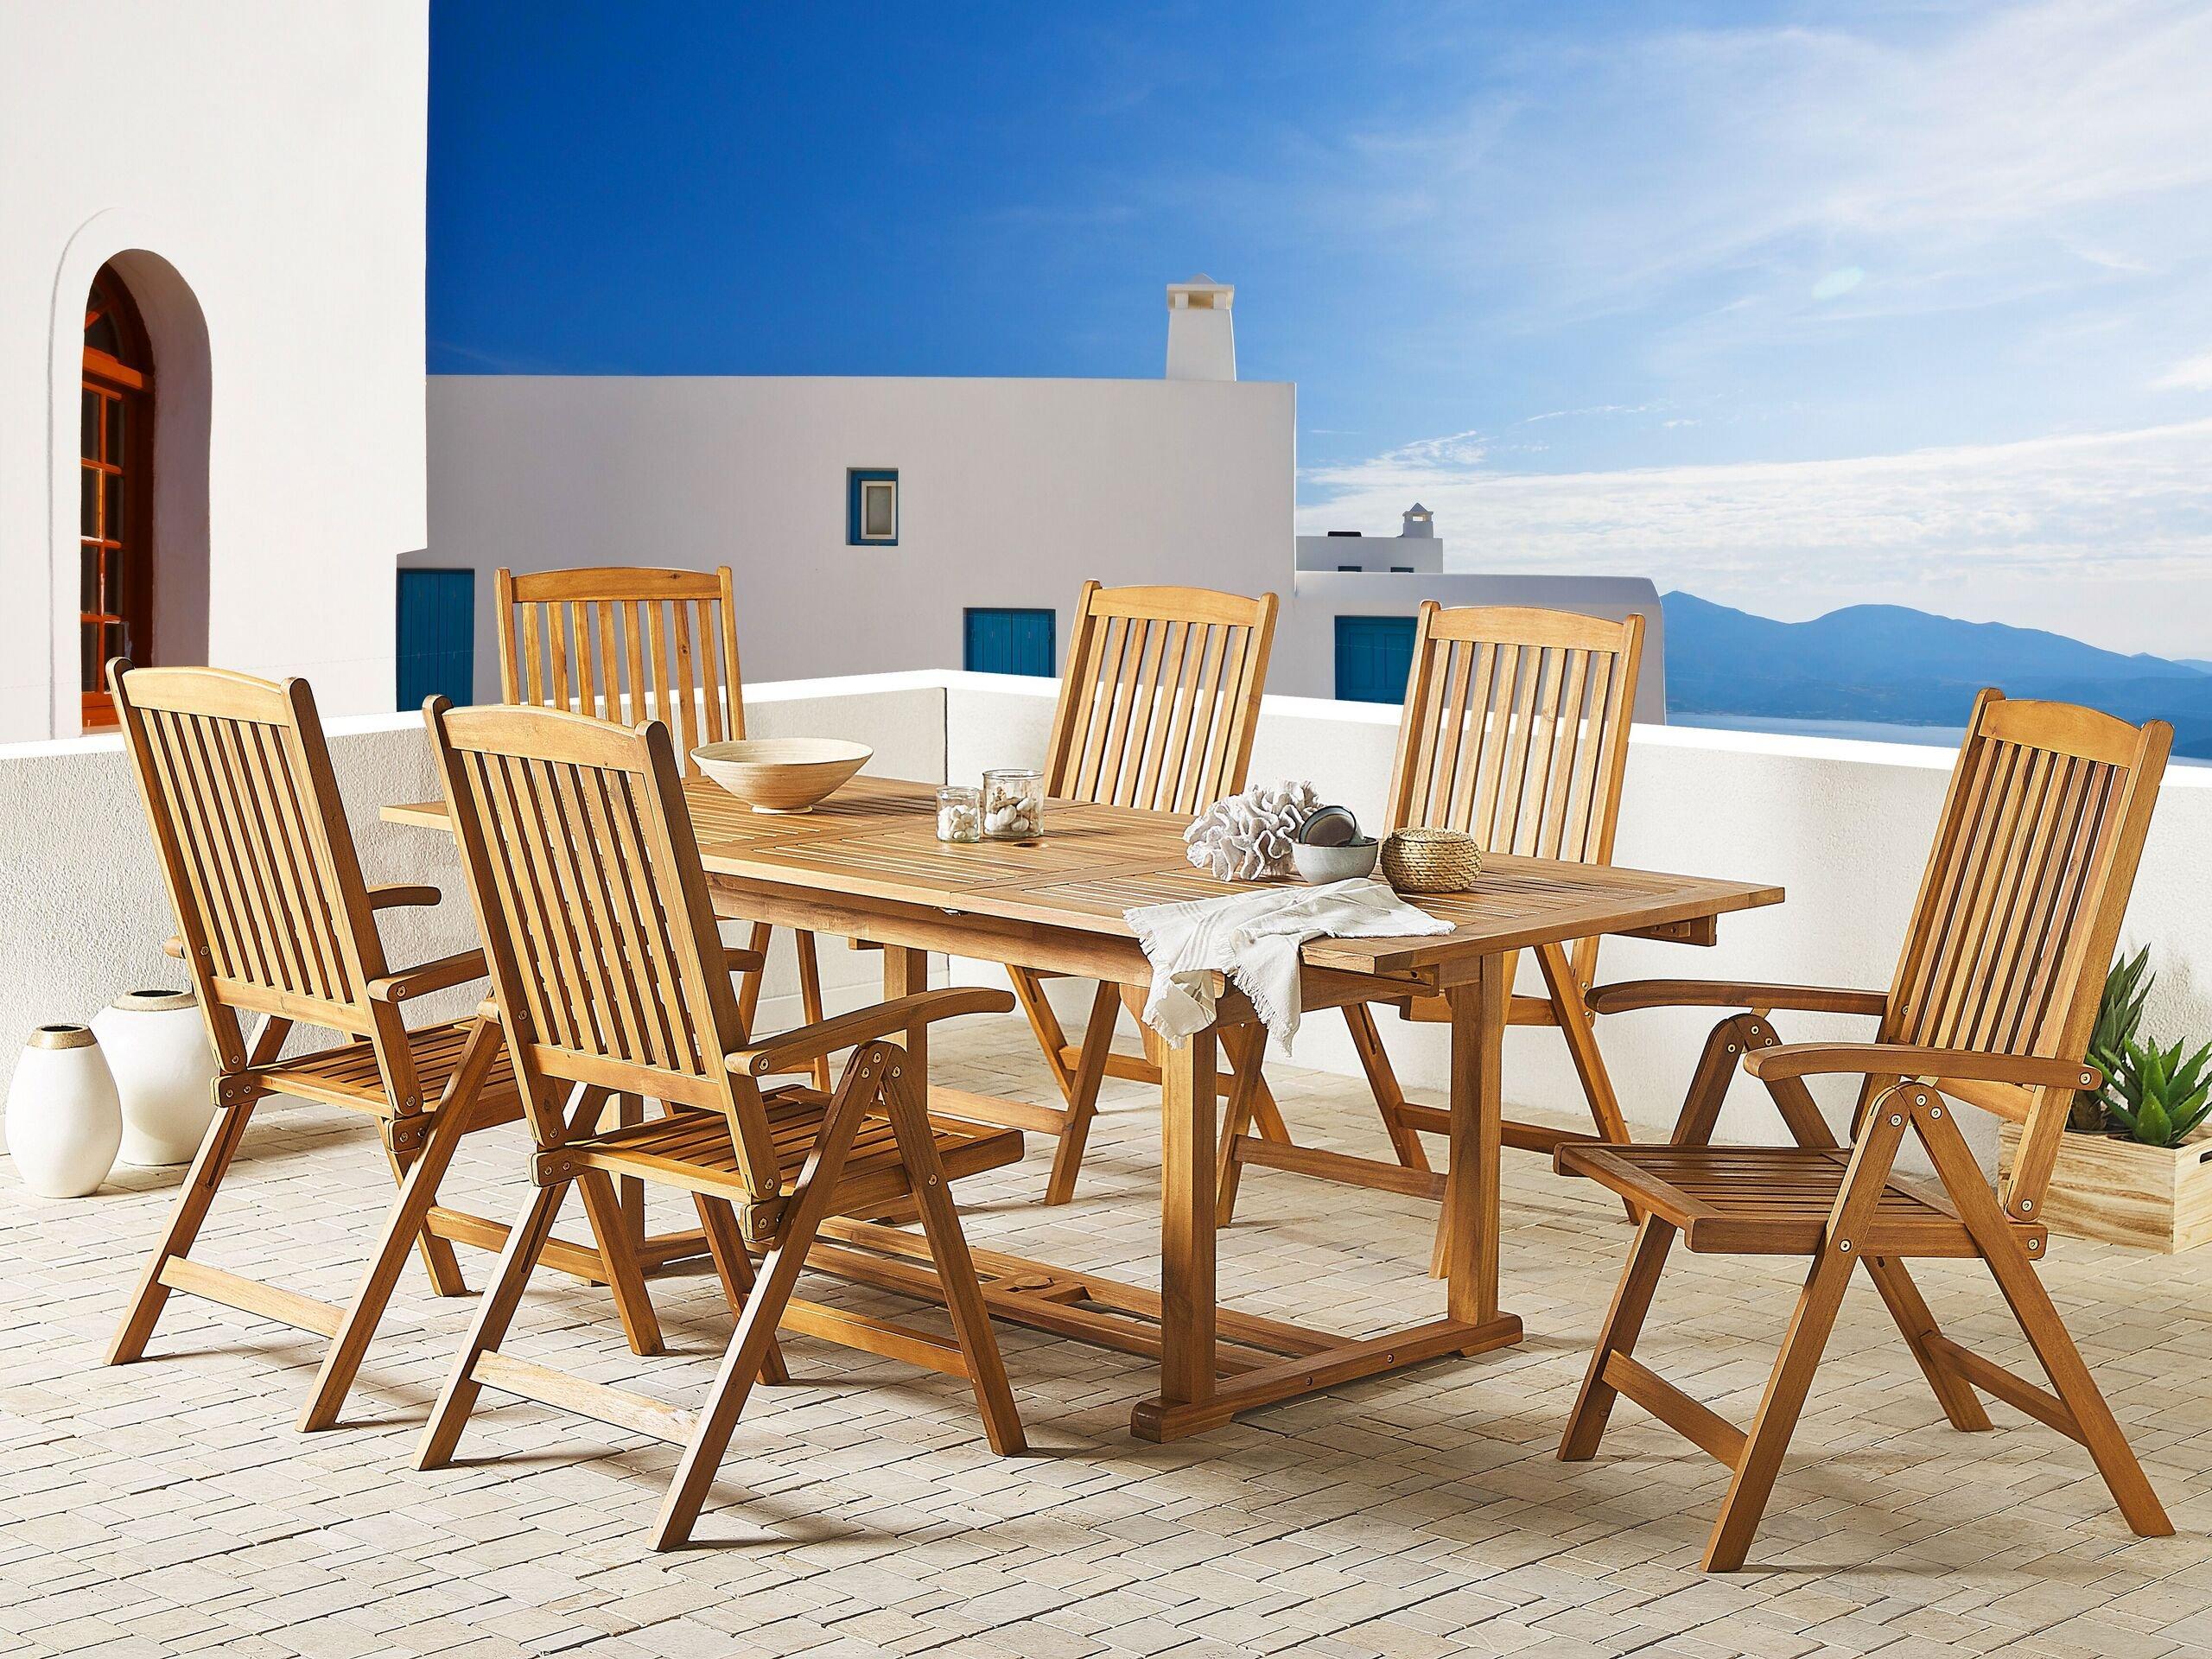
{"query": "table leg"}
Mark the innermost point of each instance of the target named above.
(904, 973)
(1479, 1010)
(1187, 1360)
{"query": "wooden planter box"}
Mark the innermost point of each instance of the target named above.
(2118, 1191)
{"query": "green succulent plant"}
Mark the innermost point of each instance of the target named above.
(2156, 1095)
(2120, 1019)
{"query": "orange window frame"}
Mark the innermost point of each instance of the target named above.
(115, 505)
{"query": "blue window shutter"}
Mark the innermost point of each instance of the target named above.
(437, 636)
(1374, 656)
(1008, 642)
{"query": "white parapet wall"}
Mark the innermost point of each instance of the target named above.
(1843, 826)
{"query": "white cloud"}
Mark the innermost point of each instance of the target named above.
(1968, 154)
(2193, 375)
(2087, 534)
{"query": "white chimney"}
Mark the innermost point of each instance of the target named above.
(1417, 522)
(1201, 341)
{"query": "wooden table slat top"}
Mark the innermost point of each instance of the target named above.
(877, 838)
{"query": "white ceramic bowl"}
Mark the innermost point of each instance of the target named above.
(1321, 864)
(782, 774)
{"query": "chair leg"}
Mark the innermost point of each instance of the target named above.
(733, 1267)
(627, 1112)
(2069, 1377)
(1052, 1037)
(956, 1269)
(1383, 1084)
(1961, 1405)
(1246, 1048)
(1787, 1385)
(749, 985)
(209, 1165)
(1647, 1258)
(418, 1191)
(489, 1329)
(809, 996)
(1791, 1379)
(439, 1261)
(860, 1087)
(1576, 1026)
(1083, 1097)
(2046, 1332)
(610, 1228)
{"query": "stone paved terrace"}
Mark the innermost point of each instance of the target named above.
(168, 1508)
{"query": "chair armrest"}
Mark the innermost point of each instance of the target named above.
(793, 1048)
(386, 894)
(1732, 994)
(173, 946)
(1905, 1060)
(739, 960)
(441, 975)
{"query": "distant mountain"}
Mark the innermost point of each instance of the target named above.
(1890, 663)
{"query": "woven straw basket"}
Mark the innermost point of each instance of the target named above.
(1431, 861)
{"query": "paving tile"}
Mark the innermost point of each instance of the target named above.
(168, 1508)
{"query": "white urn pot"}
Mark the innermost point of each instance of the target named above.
(156, 1046)
(65, 1120)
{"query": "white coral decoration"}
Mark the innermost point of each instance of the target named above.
(1248, 837)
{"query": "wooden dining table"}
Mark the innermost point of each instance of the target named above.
(866, 865)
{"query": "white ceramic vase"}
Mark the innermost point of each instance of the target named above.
(65, 1120)
(156, 1046)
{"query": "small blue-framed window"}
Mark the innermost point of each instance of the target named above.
(872, 506)
(1008, 642)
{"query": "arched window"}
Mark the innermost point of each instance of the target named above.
(116, 495)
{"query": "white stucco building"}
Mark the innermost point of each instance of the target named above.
(995, 499)
(249, 174)
(1416, 549)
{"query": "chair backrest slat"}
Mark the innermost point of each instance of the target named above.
(2020, 905)
(626, 645)
(598, 928)
(1160, 701)
(1515, 728)
(236, 783)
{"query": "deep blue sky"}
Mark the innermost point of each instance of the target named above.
(1790, 303)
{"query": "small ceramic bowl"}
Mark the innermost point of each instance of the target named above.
(782, 774)
(1345, 863)
(1329, 826)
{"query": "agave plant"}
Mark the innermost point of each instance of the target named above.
(2120, 1018)
(2156, 1095)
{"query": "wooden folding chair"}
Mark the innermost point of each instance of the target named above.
(1157, 710)
(1516, 730)
(633, 643)
(273, 920)
(1993, 1002)
(605, 969)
